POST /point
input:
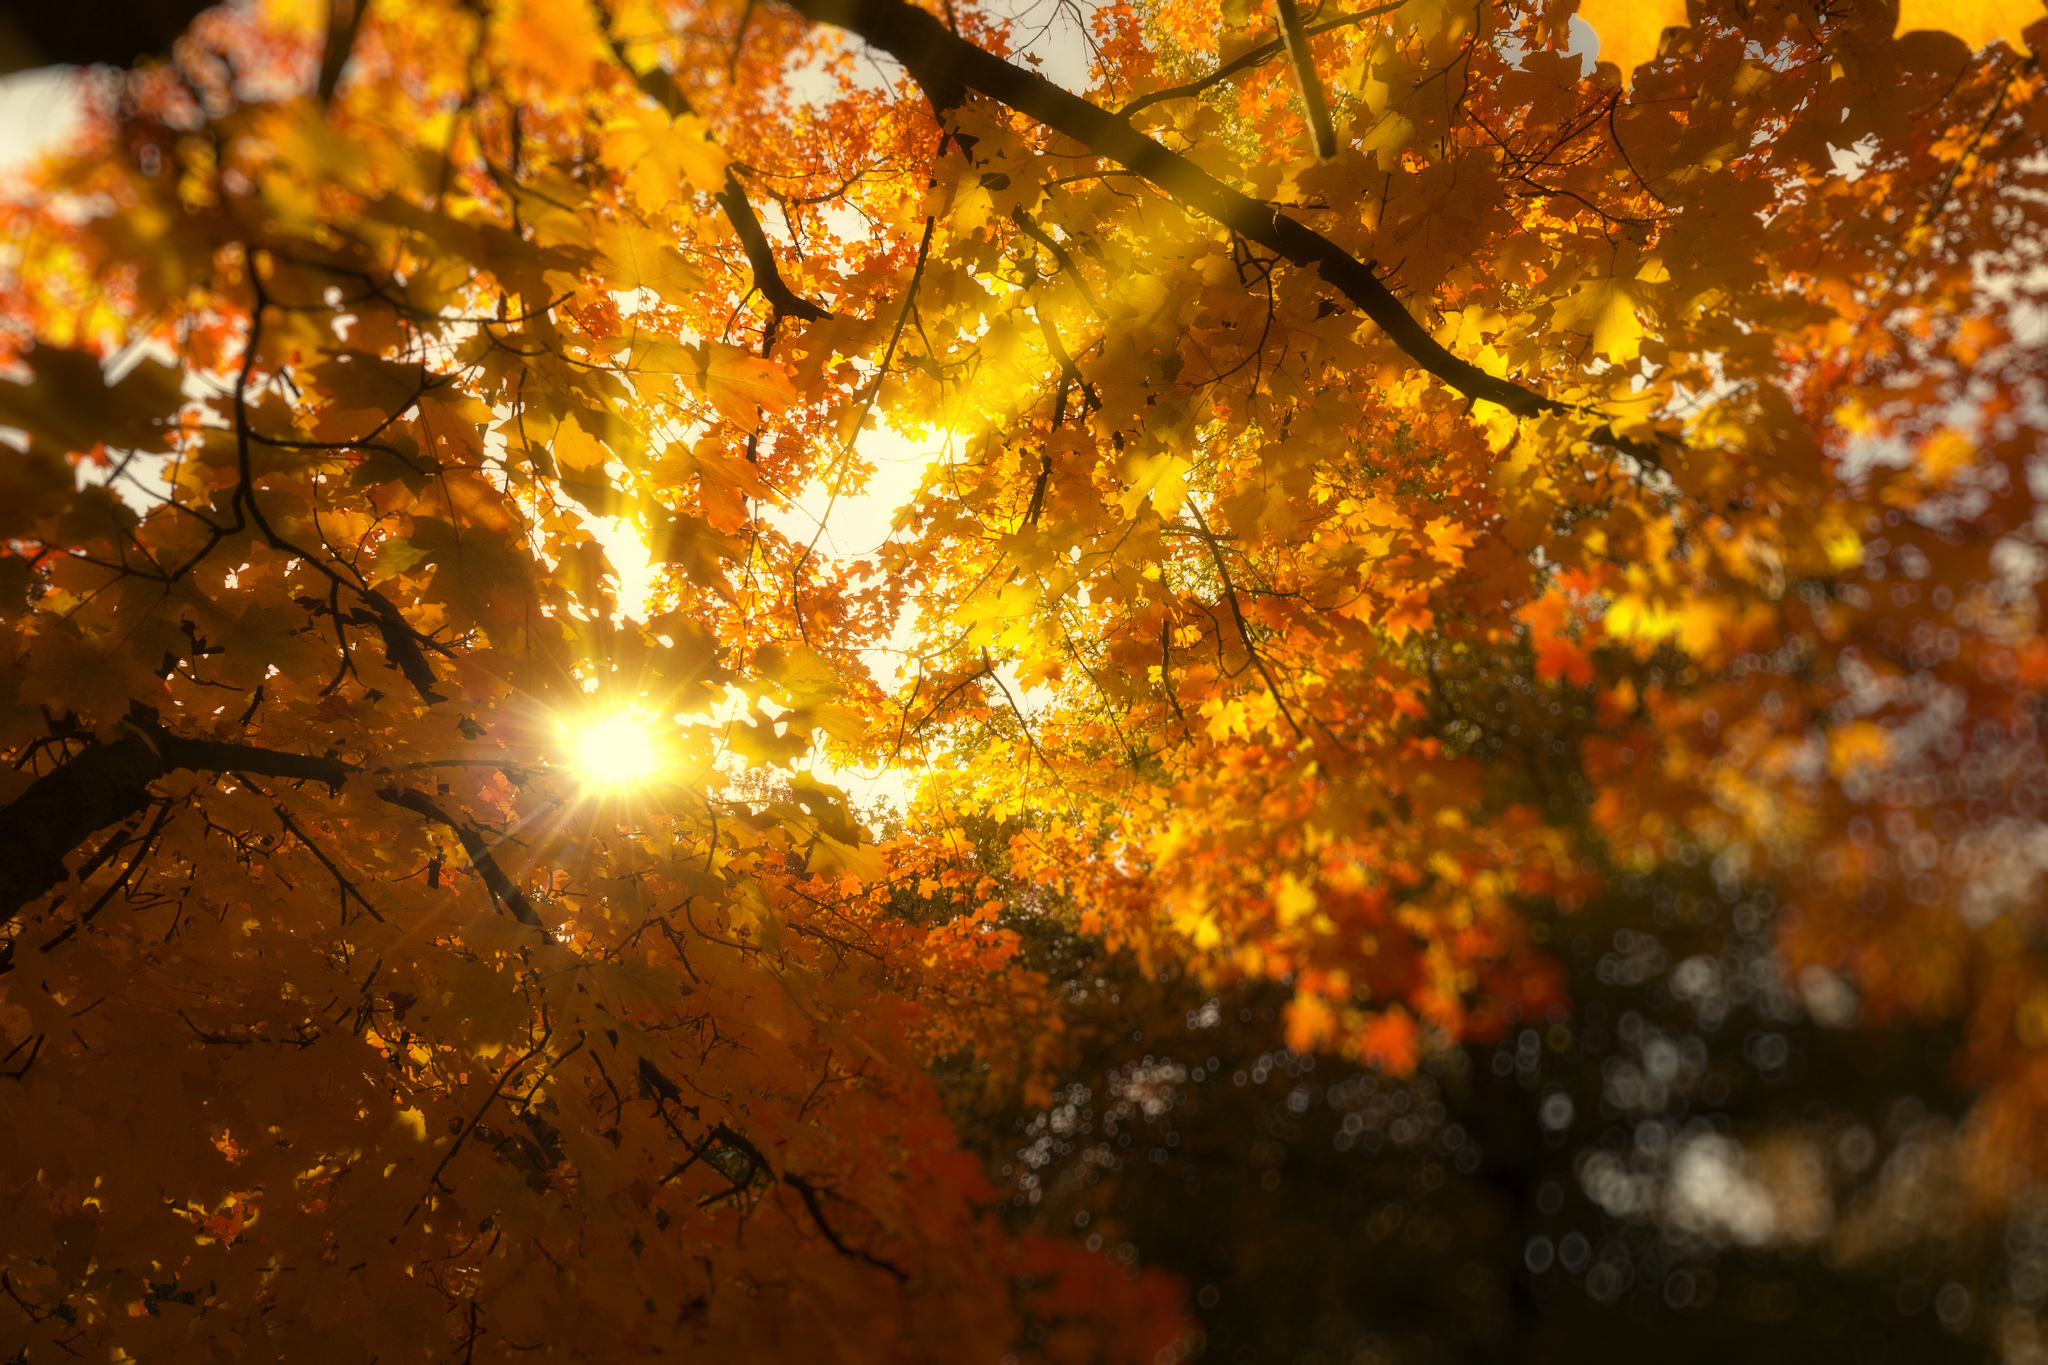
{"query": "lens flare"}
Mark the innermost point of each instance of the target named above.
(615, 752)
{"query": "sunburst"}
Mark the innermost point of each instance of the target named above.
(617, 752)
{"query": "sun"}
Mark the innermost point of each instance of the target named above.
(615, 752)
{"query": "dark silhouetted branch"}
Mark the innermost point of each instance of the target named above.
(109, 783)
(948, 66)
(501, 886)
(344, 20)
(767, 277)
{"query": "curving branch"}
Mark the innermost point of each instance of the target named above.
(110, 783)
(1059, 254)
(809, 1193)
(501, 886)
(662, 88)
(948, 67)
(401, 642)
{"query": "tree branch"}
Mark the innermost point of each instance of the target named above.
(163, 814)
(808, 1192)
(344, 19)
(948, 67)
(1313, 103)
(1059, 254)
(767, 276)
(479, 853)
(109, 783)
(1258, 56)
(112, 32)
(662, 88)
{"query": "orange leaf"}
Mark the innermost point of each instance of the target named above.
(1559, 656)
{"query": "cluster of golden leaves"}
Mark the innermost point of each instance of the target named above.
(1286, 659)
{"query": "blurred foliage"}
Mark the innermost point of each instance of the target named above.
(1698, 1160)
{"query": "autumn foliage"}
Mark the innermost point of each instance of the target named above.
(1585, 469)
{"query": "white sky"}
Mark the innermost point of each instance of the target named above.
(37, 108)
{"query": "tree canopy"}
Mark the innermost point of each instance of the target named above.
(1408, 492)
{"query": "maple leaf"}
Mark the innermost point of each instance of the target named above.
(1607, 308)
(662, 156)
(641, 258)
(1559, 657)
(70, 407)
(576, 449)
(741, 386)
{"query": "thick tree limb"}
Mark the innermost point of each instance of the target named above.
(401, 643)
(767, 276)
(107, 32)
(148, 841)
(947, 66)
(1317, 108)
(109, 783)
(344, 18)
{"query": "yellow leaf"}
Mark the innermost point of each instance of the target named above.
(1161, 479)
(1293, 898)
(1606, 307)
(1387, 139)
(1226, 718)
(576, 448)
(1976, 22)
(691, 544)
(1437, 21)
(661, 157)
(1631, 29)
(639, 17)
(637, 258)
(555, 42)
(1844, 549)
